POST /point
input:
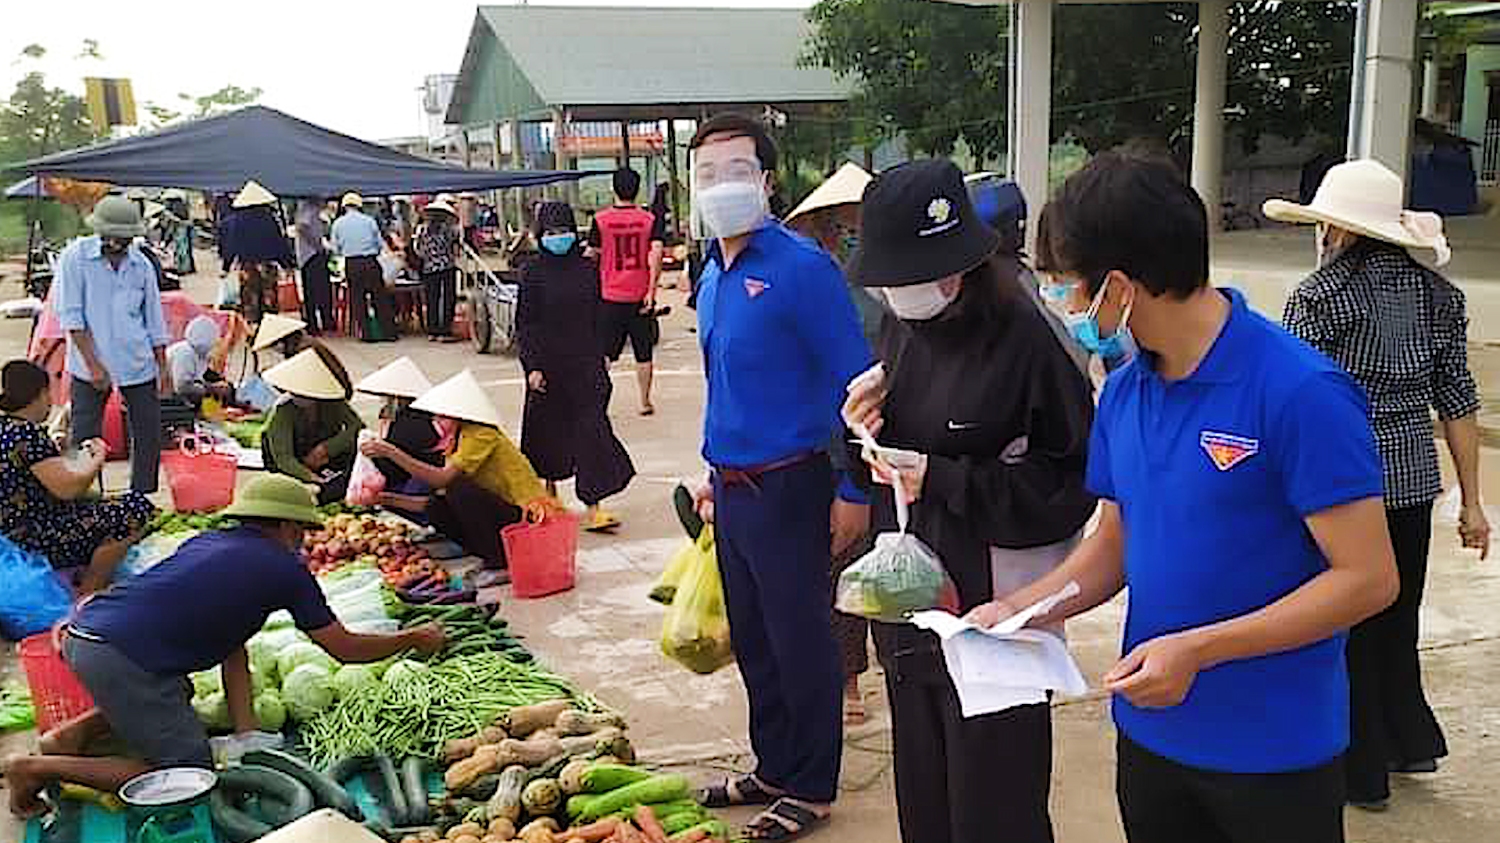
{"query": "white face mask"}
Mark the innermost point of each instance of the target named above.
(732, 208)
(919, 302)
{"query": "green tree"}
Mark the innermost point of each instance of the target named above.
(39, 119)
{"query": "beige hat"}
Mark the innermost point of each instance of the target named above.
(440, 204)
(274, 329)
(400, 379)
(460, 397)
(305, 375)
(844, 187)
(352, 200)
(253, 194)
(1365, 197)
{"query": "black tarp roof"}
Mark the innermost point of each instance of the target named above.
(290, 157)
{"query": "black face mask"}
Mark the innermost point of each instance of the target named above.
(114, 246)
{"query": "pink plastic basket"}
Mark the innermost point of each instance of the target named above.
(56, 693)
(201, 479)
(541, 556)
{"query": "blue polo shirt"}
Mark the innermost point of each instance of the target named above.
(781, 341)
(1214, 475)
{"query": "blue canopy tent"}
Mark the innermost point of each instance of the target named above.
(28, 188)
(290, 157)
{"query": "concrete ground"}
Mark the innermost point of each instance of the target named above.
(603, 634)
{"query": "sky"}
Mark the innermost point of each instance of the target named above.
(351, 66)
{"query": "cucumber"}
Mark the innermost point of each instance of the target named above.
(235, 825)
(345, 768)
(326, 790)
(414, 780)
(395, 794)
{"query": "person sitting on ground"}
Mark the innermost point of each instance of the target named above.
(413, 431)
(47, 509)
(311, 434)
(190, 362)
(486, 483)
(134, 645)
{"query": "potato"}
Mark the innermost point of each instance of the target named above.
(465, 830)
(502, 828)
(467, 838)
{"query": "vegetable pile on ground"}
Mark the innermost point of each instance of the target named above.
(372, 541)
(247, 432)
(175, 523)
(469, 628)
(268, 790)
(554, 773)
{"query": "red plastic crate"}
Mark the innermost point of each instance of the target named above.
(56, 693)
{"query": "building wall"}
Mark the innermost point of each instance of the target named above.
(1481, 58)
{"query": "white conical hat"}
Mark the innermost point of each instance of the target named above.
(274, 329)
(844, 187)
(253, 194)
(1365, 197)
(460, 397)
(400, 378)
(305, 374)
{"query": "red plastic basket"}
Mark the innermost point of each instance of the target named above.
(201, 479)
(56, 693)
(541, 556)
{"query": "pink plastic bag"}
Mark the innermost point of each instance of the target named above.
(365, 480)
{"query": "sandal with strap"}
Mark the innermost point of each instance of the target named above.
(745, 790)
(784, 820)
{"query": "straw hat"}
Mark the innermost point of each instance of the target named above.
(274, 329)
(1365, 197)
(352, 200)
(305, 375)
(276, 497)
(253, 194)
(398, 379)
(460, 397)
(844, 187)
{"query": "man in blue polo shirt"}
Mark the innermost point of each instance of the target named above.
(1241, 505)
(780, 341)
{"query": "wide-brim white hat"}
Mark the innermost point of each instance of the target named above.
(441, 204)
(1366, 198)
(844, 187)
(460, 397)
(274, 329)
(399, 379)
(253, 194)
(306, 375)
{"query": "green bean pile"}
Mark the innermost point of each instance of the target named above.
(453, 699)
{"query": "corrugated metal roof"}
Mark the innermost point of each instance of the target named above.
(635, 55)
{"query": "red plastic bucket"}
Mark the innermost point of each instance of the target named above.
(56, 693)
(201, 479)
(116, 445)
(541, 556)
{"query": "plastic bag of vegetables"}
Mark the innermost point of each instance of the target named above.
(665, 589)
(900, 575)
(365, 480)
(695, 632)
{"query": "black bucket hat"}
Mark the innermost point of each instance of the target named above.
(918, 225)
(554, 215)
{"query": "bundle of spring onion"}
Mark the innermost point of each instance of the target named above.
(416, 709)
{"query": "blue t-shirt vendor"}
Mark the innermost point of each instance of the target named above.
(1241, 505)
(780, 341)
(133, 646)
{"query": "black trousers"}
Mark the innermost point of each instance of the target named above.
(473, 516)
(978, 780)
(367, 290)
(143, 416)
(1391, 723)
(317, 295)
(441, 291)
(1162, 801)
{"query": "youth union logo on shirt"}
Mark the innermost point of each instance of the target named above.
(1226, 450)
(755, 286)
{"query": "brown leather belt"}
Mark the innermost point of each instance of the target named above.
(750, 476)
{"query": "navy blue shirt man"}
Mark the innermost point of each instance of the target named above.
(1241, 505)
(781, 340)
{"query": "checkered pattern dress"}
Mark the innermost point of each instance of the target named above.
(1401, 330)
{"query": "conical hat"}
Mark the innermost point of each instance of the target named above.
(274, 329)
(845, 187)
(400, 378)
(460, 397)
(305, 375)
(253, 194)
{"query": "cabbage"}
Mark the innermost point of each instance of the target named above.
(353, 678)
(260, 682)
(207, 682)
(404, 671)
(213, 710)
(262, 655)
(269, 711)
(307, 691)
(294, 655)
(278, 639)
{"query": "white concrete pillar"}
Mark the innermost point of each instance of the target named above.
(1390, 68)
(1429, 88)
(1032, 121)
(1208, 106)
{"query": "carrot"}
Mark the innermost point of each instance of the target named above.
(597, 832)
(629, 834)
(646, 819)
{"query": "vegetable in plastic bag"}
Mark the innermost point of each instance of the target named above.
(365, 480)
(17, 714)
(307, 691)
(695, 632)
(899, 576)
(34, 597)
(666, 585)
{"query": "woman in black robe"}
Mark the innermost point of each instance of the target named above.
(565, 429)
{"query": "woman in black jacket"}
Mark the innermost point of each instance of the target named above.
(977, 383)
(565, 429)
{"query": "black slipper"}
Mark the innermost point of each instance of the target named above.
(785, 820)
(745, 790)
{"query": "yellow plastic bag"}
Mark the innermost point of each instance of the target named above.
(695, 632)
(666, 585)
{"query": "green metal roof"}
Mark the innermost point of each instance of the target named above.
(607, 60)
